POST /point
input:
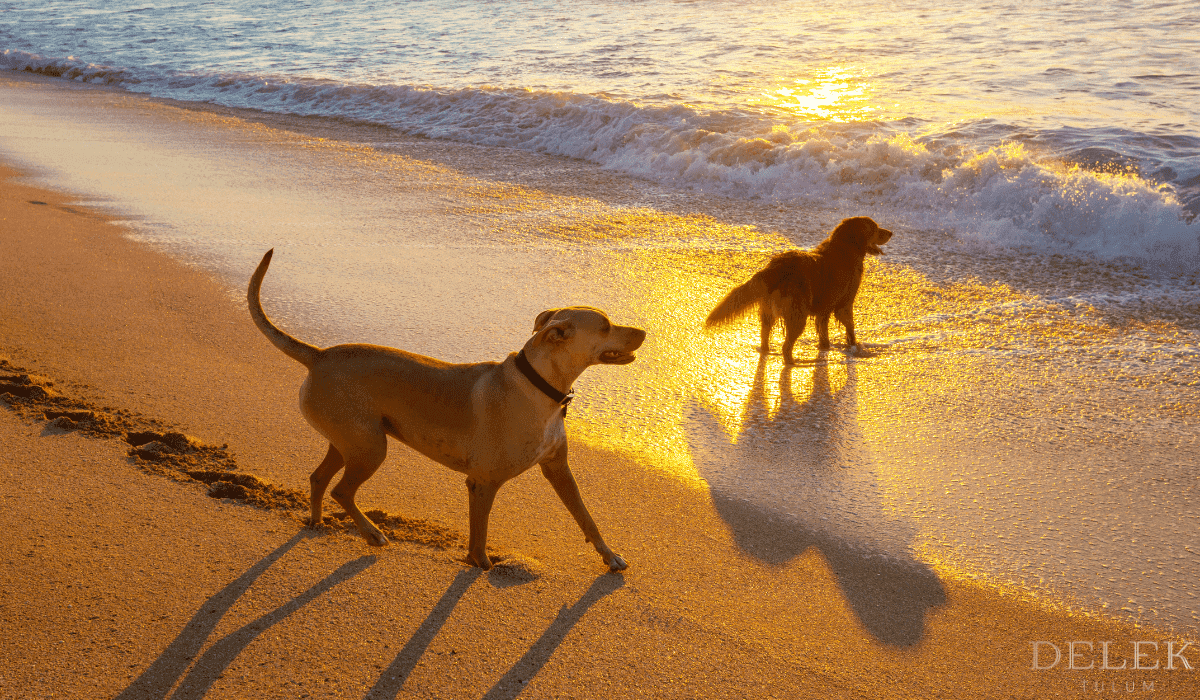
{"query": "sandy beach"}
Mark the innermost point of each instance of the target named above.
(123, 577)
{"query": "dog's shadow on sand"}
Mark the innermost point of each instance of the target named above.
(186, 669)
(797, 474)
(182, 658)
(512, 683)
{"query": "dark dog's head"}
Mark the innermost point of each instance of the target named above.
(860, 234)
(589, 334)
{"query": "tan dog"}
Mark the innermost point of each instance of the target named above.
(488, 420)
(798, 284)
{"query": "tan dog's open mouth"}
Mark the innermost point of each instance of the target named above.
(616, 357)
(874, 249)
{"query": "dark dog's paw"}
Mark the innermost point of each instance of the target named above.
(863, 350)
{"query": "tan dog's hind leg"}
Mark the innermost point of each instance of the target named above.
(559, 475)
(319, 480)
(481, 495)
(362, 458)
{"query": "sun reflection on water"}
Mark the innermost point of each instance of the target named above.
(665, 272)
(926, 336)
(835, 93)
(683, 369)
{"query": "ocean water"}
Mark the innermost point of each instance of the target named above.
(1068, 127)
(1026, 411)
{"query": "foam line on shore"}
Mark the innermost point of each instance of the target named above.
(998, 195)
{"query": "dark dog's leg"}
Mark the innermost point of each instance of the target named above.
(319, 480)
(845, 315)
(767, 319)
(793, 326)
(362, 457)
(823, 332)
(481, 496)
(559, 475)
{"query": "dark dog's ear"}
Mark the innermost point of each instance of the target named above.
(542, 318)
(846, 229)
(556, 332)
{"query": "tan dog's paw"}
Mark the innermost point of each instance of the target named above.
(482, 562)
(322, 525)
(376, 538)
(615, 562)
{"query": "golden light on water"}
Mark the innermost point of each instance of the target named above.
(696, 397)
(695, 391)
(836, 93)
(665, 273)
(687, 378)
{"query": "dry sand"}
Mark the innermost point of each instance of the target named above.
(122, 577)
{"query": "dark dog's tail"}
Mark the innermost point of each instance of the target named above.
(299, 351)
(739, 302)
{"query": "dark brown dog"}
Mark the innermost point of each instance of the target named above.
(798, 284)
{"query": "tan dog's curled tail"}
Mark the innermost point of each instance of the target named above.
(298, 350)
(741, 301)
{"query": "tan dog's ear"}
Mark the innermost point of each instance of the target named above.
(542, 318)
(556, 332)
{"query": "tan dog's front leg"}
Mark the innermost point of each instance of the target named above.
(481, 496)
(559, 475)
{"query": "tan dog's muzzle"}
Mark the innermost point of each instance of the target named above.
(625, 355)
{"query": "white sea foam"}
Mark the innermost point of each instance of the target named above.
(1002, 194)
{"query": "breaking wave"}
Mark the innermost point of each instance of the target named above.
(1108, 193)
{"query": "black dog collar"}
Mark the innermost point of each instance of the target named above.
(537, 380)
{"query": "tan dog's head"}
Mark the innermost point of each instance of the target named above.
(861, 234)
(588, 336)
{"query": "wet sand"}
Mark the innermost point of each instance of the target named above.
(125, 580)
